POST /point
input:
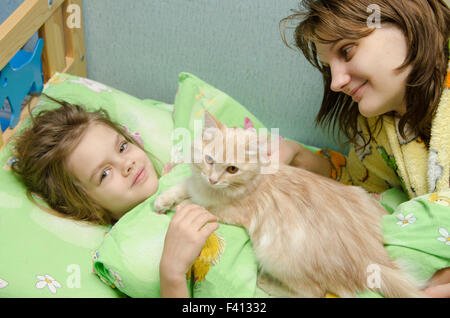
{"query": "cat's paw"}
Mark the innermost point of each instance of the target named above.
(164, 202)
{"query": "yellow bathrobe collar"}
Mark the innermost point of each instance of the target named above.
(424, 170)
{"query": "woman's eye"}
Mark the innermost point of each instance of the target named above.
(123, 146)
(346, 51)
(104, 174)
(209, 160)
(232, 169)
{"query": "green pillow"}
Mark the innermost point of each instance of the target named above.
(42, 255)
(194, 97)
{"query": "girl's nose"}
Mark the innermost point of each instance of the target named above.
(339, 77)
(128, 167)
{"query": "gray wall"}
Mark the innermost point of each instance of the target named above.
(7, 7)
(140, 46)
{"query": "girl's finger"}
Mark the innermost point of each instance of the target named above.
(209, 229)
(182, 211)
(192, 212)
(202, 219)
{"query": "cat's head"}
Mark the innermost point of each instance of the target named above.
(229, 157)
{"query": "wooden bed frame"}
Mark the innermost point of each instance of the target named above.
(64, 48)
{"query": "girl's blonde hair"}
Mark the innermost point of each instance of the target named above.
(425, 24)
(42, 150)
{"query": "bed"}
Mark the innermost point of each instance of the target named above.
(43, 255)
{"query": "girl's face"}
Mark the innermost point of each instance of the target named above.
(115, 173)
(365, 70)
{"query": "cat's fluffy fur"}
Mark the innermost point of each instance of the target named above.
(310, 234)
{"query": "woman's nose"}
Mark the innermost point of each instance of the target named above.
(340, 77)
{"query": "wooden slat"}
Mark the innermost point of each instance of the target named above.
(75, 47)
(22, 24)
(64, 46)
(53, 55)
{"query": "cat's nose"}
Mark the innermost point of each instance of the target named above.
(212, 181)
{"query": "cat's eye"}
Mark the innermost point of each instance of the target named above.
(209, 160)
(232, 169)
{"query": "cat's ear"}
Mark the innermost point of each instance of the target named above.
(211, 127)
(211, 122)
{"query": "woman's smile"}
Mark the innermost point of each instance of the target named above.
(358, 92)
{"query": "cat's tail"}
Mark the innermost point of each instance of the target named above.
(394, 283)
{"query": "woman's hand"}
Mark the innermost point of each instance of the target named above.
(439, 284)
(438, 291)
(294, 154)
(188, 230)
(288, 151)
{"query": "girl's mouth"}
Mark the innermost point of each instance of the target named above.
(139, 177)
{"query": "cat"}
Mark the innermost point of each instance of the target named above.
(311, 235)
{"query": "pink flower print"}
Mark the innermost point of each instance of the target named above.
(167, 168)
(249, 124)
(136, 135)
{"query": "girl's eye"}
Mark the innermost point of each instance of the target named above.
(209, 159)
(232, 169)
(104, 174)
(123, 146)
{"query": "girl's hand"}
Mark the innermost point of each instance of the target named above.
(188, 230)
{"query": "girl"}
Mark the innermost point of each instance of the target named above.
(86, 167)
(384, 66)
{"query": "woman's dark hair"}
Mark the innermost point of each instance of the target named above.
(425, 24)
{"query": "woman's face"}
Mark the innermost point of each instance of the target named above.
(115, 173)
(365, 69)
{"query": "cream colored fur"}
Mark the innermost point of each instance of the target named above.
(310, 234)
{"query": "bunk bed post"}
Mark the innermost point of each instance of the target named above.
(53, 55)
(75, 48)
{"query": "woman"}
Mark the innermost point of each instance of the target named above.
(386, 87)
